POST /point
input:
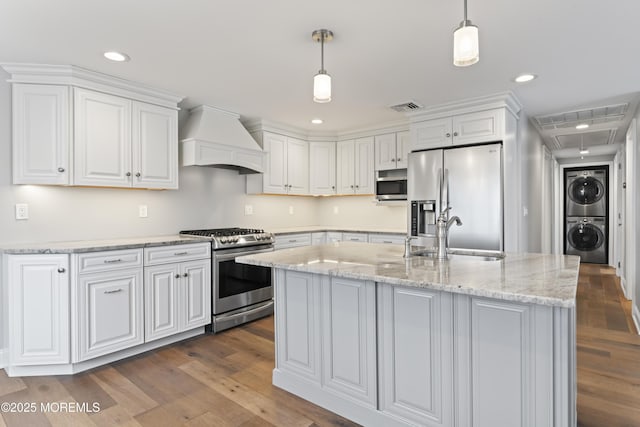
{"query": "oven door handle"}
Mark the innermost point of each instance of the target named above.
(227, 257)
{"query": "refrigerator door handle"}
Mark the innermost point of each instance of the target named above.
(445, 191)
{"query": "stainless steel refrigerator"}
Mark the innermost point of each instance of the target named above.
(466, 179)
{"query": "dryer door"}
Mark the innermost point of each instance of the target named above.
(586, 190)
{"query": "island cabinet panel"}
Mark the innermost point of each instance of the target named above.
(349, 338)
(298, 323)
(506, 365)
(415, 353)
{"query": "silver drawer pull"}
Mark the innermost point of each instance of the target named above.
(181, 253)
(387, 241)
(115, 291)
(292, 241)
(112, 261)
(354, 239)
(61, 270)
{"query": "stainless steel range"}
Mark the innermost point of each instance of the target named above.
(239, 293)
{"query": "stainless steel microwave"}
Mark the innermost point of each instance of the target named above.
(391, 185)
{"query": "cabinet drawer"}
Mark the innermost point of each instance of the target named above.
(176, 253)
(293, 240)
(354, 237)
(109, 260)
(396, 239)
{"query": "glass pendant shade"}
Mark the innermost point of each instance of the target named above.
(465, 45)
(322, 87)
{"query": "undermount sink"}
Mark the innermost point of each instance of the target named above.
(465, 255)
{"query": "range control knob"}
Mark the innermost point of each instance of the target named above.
(223, 240)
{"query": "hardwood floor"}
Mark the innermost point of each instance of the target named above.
(225, 379)
(608, 351)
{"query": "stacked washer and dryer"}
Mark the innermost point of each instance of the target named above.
(586, 213)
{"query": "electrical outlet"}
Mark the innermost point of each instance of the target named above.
(290, 210)
(335, 210)
(142, 211)
(22, 211)
(248, 209)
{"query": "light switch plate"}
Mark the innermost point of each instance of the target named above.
(248, 209)
(290, 210)
(22, 211)
(142, 211)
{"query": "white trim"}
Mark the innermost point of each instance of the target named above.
(635, 314)
(81, 77)
(73, 368)
(488, 102)
(623, 285)
(3, 360)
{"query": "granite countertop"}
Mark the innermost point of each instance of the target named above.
(98, 245)
(529, 278)
(319, 228)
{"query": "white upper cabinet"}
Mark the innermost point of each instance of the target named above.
(154, 146)
(124, 143)
(102, 128)
(355, 170)
(72, 126)
(470, 128)
(41, 136)
(322, 168)
(392, 150)
(287, 170)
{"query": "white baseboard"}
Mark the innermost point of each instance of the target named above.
(623, 285)
(635, 314)
(3, 361)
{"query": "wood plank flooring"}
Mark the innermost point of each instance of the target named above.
(225, 379)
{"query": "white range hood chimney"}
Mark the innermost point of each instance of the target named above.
(216, 138)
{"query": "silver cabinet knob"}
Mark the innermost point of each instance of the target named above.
(398, 159)
(448, 135)
(455, 134)
(352, 186)
(60, 170)
(177, 276)
(185, 275)
(138, 175)
(128, 174)
(333, 187)
(357, 186)
(61, 270)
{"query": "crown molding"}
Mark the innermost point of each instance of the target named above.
(505, 100)
(80, 77)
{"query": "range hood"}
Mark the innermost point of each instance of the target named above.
(216, 138)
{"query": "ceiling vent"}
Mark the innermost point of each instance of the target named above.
(586, 140)
(406, 106)
(591, 116)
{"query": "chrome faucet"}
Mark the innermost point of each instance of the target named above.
(407, 246)
(442, 232)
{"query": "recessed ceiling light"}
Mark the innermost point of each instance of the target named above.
(523, 78)
(316, 121)
(116, 56)
(584, 151)
(582, 126)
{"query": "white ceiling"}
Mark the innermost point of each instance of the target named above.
(257, 58)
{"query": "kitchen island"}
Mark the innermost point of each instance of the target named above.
(386, 340)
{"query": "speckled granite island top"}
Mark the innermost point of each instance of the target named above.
(98, 245)
(529, 278)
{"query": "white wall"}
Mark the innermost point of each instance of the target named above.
(361, 211)
(633, 230)
(532, 157)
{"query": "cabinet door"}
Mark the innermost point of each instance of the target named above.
(297, 166)
(483, 126)
(364, 166)
(322, 168)
(345, 176)
(38, 291)
(349, 343)
(275, 174)
(41, 136)
(431, 134)
(415, 355)
(154, 146)
(161, 301)
(110, 309)
(319, 238)
(298, 323)
(403, 148)
(102, 139)
(195, 305)
(385, 151)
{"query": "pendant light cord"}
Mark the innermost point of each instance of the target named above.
(322, 52)
(465, 12)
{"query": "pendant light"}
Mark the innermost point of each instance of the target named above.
(465, 43)
(322, 80)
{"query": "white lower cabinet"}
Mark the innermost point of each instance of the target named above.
(177, 298)
(348, 312)
(38, 309)
(354, 237)
(109, 311)
(415, 355)
(318, 238)
(395, 239)
(285, 241)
